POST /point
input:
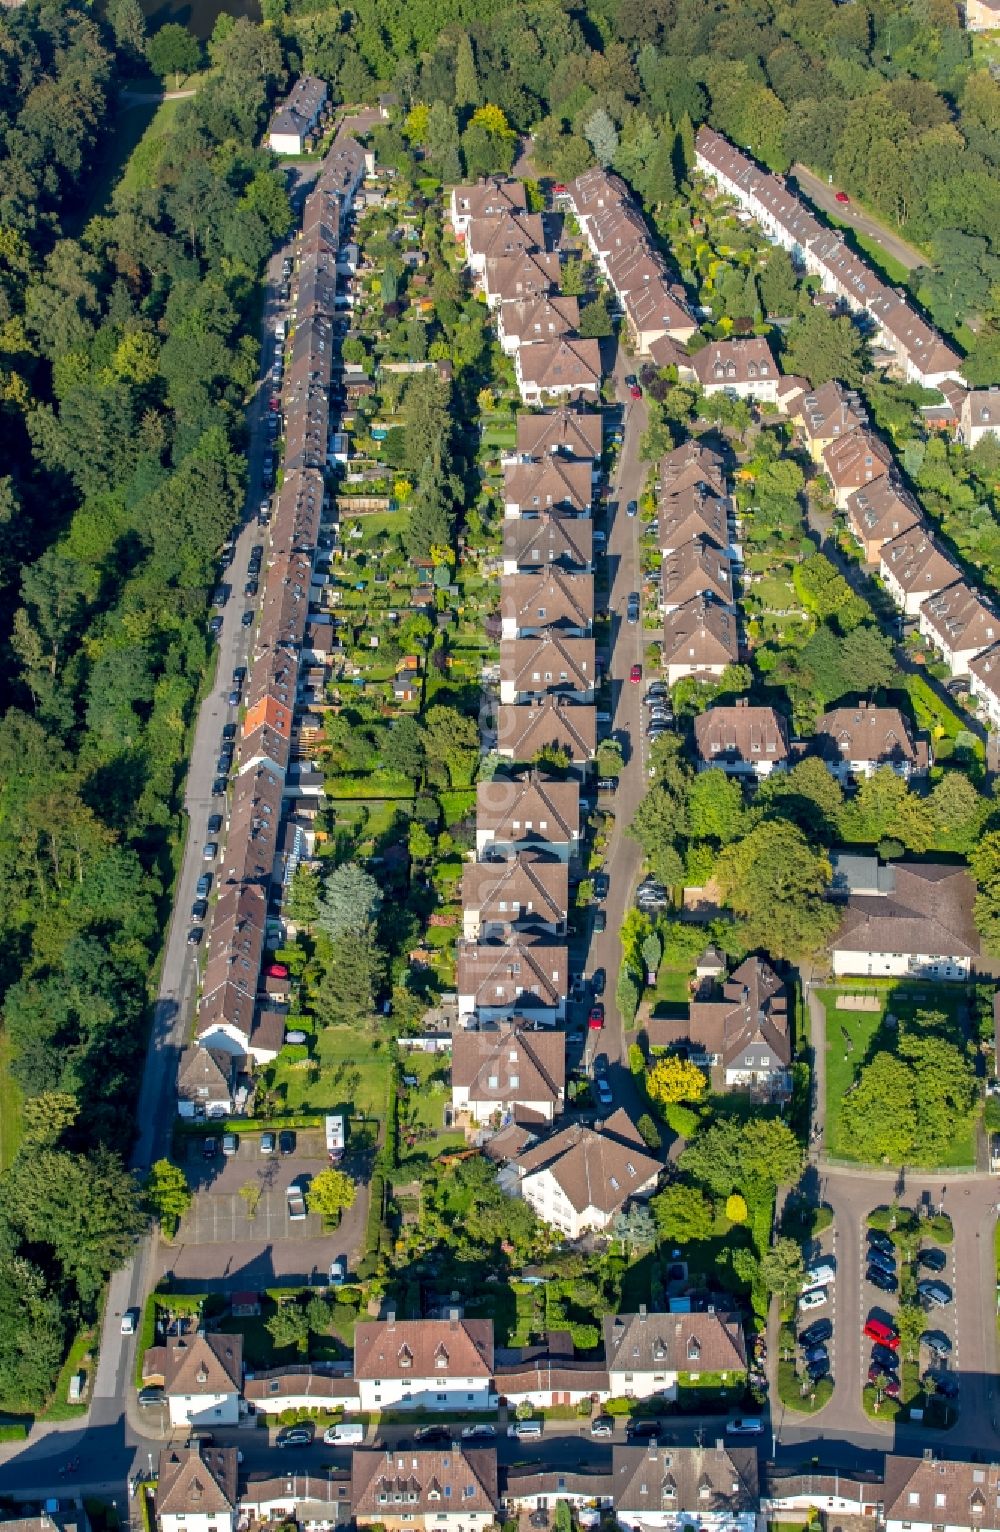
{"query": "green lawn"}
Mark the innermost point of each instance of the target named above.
(851, 1036)
(10, 1108)
(672, 987)
(353, 1076)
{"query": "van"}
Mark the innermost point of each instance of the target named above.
(348, 1433)
(525, 1430)
(279, 329)
(820, 1275)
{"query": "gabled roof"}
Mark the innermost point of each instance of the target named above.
(196, 1481)
(455, 1480)
(595, 1167)
(701, 632)
(865, 732)
(740, 732)
(524, 729)
(525, 889)
(572, 433)
(529, 807)
(505, 233)
(300, 108)
(550, 482)
(713, 1481)
(423, 1348)
(937, 1490)
(490, 196)
(510, 1065)
(695, 568)
(522, 275)
(692, 455)
(549, 539)
(549, 663)
(734, 363)
(563, 363)
(523, 973)
(659, 1343)
(552, 598)
(986, 669)
(530, 320)
(197, 1364)
(916, 563)
(882, 510)
(856, 459)
(959, 618)
(829, 412)
(204, 1074)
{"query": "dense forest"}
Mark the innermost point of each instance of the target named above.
(883, 95)
(126, 354)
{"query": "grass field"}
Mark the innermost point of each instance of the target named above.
(851, 1038)
(350, 1073)
(10, 1108)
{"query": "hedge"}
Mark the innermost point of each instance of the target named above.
(17, 1431)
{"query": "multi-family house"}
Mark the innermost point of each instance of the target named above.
(857, 740)
(853, 462)
(547, 540)
(960, 625)
(925, 1493)
(744, 741)
(201, 1375)
(196, 1489)
(699, 639)
(503, 235)
(315, 1502)
(739, 1029)
(697, 568)
(920, 925)
(507, 1074)
(441, 1489)
(527, 975)
(549, 601)
(667, 1489)
(425, 1364)
(826, 415)
(486, 199)
(525, 813)
(647, 1354)
(913, 567)
(206, 1083)
(567, 368)
(565, 432)
(523, 274)
(297, 117)
(550, 664)
(984, 683)
(743, 369)
(551, 483)
(579, 1178)
(529, 321)
(526, 891)
(880, 512)
(526, 730)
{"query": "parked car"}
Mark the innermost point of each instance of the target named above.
(600, 884)
(598, 979)
(246, 619)
(478, 1433)
(841, 197)
(819, 1330)
(230, 1143)
(199, 909)
(595, 1020)
(215, 626)
(881, 1279)
(745, 1425)
(933, 1259)
(219, 785)
(635, 675)
(604, 1092)
(817, 1354)
(632, 509)
(286, 1142)
(214, 824)
(886, 1263)
(338, 1271)
(821, 1274)
(818, 1369)
(427, 1436)
(268, 1143)
(196, 936)
(934, 1291)
(883, 1357)
(635, 392)
(209, 1148)
(643, 1430)
(210, 850)
(296, 1436)
(880, 1241)
(632, 608)
(945, 1383)
(153, 1394)
(936, 1342)
(814, 1299)
(203, 885)
(885, 1335)
(130, 1319)
(602, 1425)
(600, 923)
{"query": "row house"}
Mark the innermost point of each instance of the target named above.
(298, 116)
(696, 513)
(547, 541)
(826, 415)
(919, 353)
(527, 730)
(236, 1016)
(699, 639)
(880, 512)
(697, 568)
(530, 321)
(527, 891)
(984, 683)
(488, 198)
(913, 567)
(525, 813)
(550, 483)
(667, 1489)
(426, 1364)
(695, 462)
(521, 275)
(446, 1489)
(648, 1354)
(960, 625)
(854, 462)
(979, 416)
(548, 665)
(567, 368)
(550, 601)
(562, 433)
(509, 1074)
(525, 974)
(502, 236)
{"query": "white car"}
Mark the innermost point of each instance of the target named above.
(128, 1321)
(814, 1299)
(820, 1275)
(478, 1433)
(745, 1425)
(338, 1271)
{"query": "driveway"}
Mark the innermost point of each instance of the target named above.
(824, 196)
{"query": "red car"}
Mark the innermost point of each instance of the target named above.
(596, 1018)
(878, 1330)
(635, 674)
(841, 197)
(559, 189)
(635, 391)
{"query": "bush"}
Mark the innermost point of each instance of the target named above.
(649, 1132)
(681, 1119)
(940, 1228)
(16, 1431)
(736, 1208)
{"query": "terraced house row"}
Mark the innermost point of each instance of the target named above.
(237, 1015)
(509, 1058)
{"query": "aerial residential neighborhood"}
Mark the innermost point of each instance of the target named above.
(500, 1000)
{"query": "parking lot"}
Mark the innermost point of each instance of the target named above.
(238, 1231)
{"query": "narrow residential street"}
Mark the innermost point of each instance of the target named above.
(627, 647)
(824, 196)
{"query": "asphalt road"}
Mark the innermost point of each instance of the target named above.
(824, 196)
(624, 857)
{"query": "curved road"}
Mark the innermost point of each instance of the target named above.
(822, 195)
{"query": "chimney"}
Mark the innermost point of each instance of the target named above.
(390, 1318)
(454, 1315)
(720, 1445)
(642, 1313)
(928, 1454)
